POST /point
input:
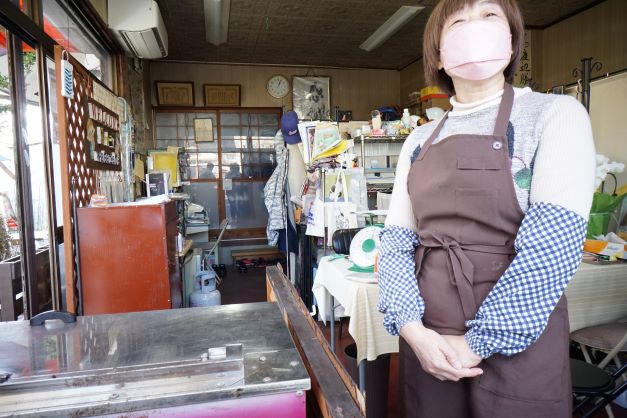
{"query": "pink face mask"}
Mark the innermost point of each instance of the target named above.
(476, 50)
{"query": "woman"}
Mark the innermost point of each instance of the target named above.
(485, 229)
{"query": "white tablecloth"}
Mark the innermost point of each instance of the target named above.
(358, 294)
(597, 294)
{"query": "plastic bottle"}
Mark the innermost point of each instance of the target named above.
(406, 119)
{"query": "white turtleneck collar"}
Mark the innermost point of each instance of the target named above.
(462, 109)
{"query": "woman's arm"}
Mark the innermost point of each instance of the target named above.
(550, 239)
(399, 297)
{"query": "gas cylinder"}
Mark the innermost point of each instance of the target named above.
(206, 293)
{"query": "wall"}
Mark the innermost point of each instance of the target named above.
(101, 8)
(137, 74)
(357, 90)
(608, 101)
(412, 79)
(599, 32)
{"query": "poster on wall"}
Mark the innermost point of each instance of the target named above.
(103, 136)
(311, 97)
(522, 77)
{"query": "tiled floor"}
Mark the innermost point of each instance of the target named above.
(251, 287)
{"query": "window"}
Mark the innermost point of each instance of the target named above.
(25, 229)
(35, 147)
(228, 174)
(63, 25)
(9, 229)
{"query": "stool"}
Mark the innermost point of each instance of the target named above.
(591, 382)
(607, 338)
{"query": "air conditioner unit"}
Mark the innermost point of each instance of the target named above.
(139, 27)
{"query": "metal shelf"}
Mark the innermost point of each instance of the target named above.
(380, 170)
(381, 139)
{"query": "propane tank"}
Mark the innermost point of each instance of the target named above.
(206, 293)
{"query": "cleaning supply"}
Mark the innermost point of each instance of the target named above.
(406, 119)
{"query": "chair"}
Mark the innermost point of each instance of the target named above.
(214, 245)
(607, 338)
(341, 240)
(590, 383)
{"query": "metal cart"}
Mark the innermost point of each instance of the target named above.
(224, 361)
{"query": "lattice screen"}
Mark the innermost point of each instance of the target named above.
(75, 175)
(76, 120)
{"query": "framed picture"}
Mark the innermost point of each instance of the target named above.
(222, 95)
(311, 97)
(344, 115)
(203, 130)
(558, 90)
(175, 93)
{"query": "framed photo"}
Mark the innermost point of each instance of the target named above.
(558, 90)
(344, 115)
(222, 95)
(311, 97)
(203, 130)
(175, 93)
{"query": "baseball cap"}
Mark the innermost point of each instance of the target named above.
(289, 127)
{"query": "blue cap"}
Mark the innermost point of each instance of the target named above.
(289, 127)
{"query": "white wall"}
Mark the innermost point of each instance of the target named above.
(608, 113)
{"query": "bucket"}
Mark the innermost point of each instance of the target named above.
(377, 380)
(598, 223)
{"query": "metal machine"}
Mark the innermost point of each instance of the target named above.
(224, 361)
(196, 222)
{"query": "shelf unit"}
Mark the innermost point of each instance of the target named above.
(379, 178)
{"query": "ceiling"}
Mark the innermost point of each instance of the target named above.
(318, 32)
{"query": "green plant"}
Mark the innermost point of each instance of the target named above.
(29, 60)
(5, 244)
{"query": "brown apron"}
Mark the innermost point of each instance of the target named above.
(465, 204)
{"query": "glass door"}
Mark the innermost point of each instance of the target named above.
(24, 196)
(248, 159)
(227, 174)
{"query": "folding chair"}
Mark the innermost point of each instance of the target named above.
(214, 246)
(592, 381)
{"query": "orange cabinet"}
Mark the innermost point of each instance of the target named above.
(128, 258)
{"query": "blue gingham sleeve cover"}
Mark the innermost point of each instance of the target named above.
(399, 297)
(548, 251)
(516, 311)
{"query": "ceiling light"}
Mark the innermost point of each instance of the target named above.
(390, 27)
(217, 20)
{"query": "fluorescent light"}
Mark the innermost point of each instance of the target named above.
(217, 20)
(390, 27)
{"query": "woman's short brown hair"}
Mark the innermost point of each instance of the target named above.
(433, 32)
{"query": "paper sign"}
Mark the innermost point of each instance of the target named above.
(613, 249)
(139, 170)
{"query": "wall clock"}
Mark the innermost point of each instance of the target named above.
(278, 86)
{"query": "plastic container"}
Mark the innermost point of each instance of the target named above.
(406, 119)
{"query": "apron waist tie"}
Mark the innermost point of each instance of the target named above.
(460, 268)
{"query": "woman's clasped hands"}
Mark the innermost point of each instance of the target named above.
(446, 357)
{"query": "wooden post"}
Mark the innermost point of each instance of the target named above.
(335, 392)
